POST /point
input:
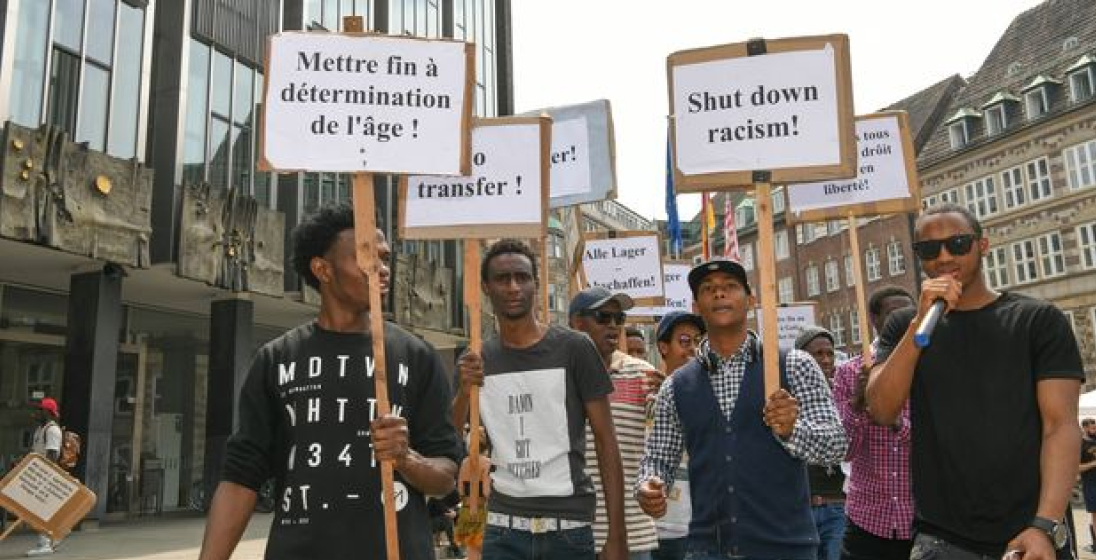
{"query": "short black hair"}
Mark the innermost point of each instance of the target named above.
(314, 236)
(508, 246)
(875, 302)
(632, 331)
(1088, 422)
(952, 208)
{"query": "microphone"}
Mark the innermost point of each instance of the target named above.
(923, 335)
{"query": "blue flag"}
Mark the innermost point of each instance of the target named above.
(673, 222)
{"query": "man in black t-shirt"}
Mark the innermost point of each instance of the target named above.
(993, 400)
(308, 417)
(1088, 476)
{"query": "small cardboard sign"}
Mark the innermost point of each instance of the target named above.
(675, 281)
(627, 262)
(790, 319)
(349, 102)
(886, 180)
(505, 196)
(779, 107)
(583, 153)
(44, 496)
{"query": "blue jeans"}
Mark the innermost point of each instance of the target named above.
(830, 521)
(670, 549)
(501, 543)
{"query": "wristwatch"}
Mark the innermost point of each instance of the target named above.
(1056, 530)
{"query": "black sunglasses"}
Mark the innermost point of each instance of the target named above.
(957, 245)
(604, 317)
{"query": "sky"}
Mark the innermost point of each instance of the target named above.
(574, 51)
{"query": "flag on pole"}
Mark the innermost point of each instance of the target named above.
(673, 222)
(707, 226)
(730, 233)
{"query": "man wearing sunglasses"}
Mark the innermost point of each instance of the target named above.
(993, 404)
(541, 384)
(747, 450)
(600, 314)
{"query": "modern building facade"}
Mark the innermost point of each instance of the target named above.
(144, 255)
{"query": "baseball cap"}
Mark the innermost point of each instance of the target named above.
(674, 318)
(48, 405)
(698, 272)
(594, 297)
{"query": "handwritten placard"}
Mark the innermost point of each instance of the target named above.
(506, 194)
(790, 319)
(781, 106)
(44, 496)
(353, 102)
(675, 281)
(886, 180)
(583, 166)
(629, 263)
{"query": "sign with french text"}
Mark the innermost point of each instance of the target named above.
(41, 494)
(781, 107)
(583, 155)
(366, 103)
(886, 180)
(790, 319)
(675, 281)
(505, 196)
(625, 262)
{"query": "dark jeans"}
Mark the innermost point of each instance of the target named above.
(862, 545)
(501, 543)
(670, 549)
(830, 521)
(928, 547)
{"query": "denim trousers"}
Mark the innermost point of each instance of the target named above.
(830, 521)
(502, 543)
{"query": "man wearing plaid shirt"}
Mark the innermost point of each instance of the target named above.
(747, 452)
(878, 501)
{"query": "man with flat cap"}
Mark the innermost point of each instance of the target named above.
(747, 450)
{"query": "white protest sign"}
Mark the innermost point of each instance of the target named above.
(629, 263)
(583, 168)
(675, 281)
(40, 493)
(787, 109)
(789, 319)
(374, 103)
(506, 194)
(886, 179)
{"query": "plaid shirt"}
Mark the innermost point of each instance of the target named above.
(816, 438)
(879, 499)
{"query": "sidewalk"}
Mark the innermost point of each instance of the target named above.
(146, 539)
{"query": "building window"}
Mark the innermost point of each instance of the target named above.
(837, 329)
(996, 121)
(1080, 85)
(896, 259)
(782, 244)
(959, 134)
(745, 252)
(928, 201)
(555, 246)
(1050, 255)
(833, 277)
(982, 197)
(854, 325)
(744, 215)
(1072, 321)
(1036, 103)
(778, 200)
(1038, 178)
(850, 278)
(1023, 261)
(1081, 164)
(1086, 242)
(1012, 186)
(950, 196)
(871, 262)
(996, 268)
(785, 290)
(813, 288)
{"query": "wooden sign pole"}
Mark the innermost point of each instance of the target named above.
(861, 298)
(365, 237)
(474, 477)
(573, 286)
(14, 525)
(767, 295)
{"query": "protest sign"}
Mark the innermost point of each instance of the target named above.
(358, 102)
(505, 196)
(583, 153)
(781, 108)
(886, 180)
(790, 319)
(678, 296)
(41, 494)
(624, 262)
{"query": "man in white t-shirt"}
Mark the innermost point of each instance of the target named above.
(46, 442)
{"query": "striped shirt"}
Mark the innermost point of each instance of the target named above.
(628, 405)
(817, 436)
(879, 499)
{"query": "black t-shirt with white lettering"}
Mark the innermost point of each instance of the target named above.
(304, 415)
(977, 430)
